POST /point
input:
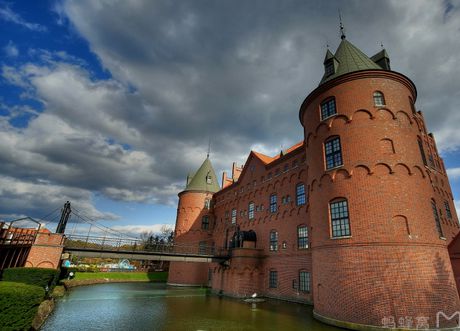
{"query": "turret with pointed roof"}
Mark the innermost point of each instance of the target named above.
(348, 58)
(204, 179)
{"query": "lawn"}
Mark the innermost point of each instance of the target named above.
(140, 276)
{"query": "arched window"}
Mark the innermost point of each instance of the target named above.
(251, 210)
(304, 281)
(300, 194)
(328, 108)
(273, 205)
(302, 237)
(273, 279)
(233, 216)
(422, 152)
(436, 218)
(273, 240)
(205, 222)
(340, 222)
(379, 100)
(333, 153)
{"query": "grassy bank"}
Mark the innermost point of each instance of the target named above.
(19, 304)
(133, 276)
(89, 278)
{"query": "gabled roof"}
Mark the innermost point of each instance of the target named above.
(349, 59)
(204, 179)
(269, 159)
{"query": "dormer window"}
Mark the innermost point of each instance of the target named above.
(329, 68)
(208, 179)
(379, 100)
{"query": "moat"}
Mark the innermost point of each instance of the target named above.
(154, 306)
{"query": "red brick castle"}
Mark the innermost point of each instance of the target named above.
(355, 219)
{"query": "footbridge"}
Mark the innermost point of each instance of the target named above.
(126, 248)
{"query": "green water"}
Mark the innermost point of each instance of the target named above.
(151, 306)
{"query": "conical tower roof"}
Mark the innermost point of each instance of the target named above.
(349, 59)
(204, 179)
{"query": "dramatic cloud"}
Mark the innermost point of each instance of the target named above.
(8, 15)
(181, 73)
(27, 197)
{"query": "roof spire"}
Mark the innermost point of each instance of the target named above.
(342, 29)
(209, 148)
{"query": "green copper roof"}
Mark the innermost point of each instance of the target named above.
(328, 56)
(204, 179)
(349, 59)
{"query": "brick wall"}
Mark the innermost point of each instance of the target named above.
(395, 263)
(189, 232)
(46, 250)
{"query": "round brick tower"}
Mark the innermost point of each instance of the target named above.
(194, 224)
(378, 249)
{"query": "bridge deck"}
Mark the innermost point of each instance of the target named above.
(141, 255)
(103, 247)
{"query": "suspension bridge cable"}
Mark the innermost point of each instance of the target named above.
(102, 227)
(44, 217)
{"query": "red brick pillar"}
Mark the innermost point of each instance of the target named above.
(46, 250)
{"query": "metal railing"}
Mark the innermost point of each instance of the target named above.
(125, 245)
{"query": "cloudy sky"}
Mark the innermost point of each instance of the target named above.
(109, 104)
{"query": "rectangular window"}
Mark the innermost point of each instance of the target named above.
(207, 203)
(302, 237)
(251, 210)
(202, 247)
(448, 212)
(300, 194)
(422, 152)
(273, 279)
(436, 219)
(273, 206)
(328, 109)
(273, 241)
(333, 153)
(205, 222)
(339, 219)
(304, 281)
(233, 216)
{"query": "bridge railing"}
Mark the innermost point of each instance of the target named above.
(139, 246)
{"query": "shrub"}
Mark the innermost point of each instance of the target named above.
(18, 305)
(32, 276)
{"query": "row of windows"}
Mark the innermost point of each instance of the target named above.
(304, 281)
(329, 109)
(302, 238)
(437, 218)
(286, 168)
(301, 199)
(333, 153)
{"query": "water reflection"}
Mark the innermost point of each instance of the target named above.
(149, 306)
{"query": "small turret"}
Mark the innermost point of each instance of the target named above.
(194, 223)
(204, 179)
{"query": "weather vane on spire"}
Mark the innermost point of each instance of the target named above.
(342, 29)
(209, 147)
